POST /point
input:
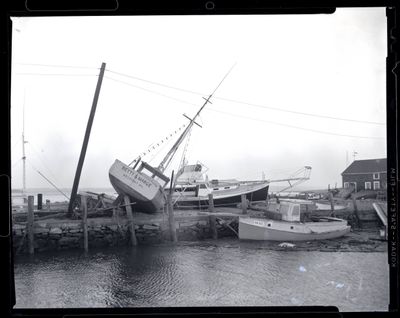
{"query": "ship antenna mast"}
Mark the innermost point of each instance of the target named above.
(23, 150)
(167, 159)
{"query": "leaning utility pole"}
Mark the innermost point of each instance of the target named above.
(86, 140)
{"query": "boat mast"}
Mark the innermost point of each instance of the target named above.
(23, 150)
(167, 159)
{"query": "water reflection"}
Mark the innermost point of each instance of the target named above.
(225, 274)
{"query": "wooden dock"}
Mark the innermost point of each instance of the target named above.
(37, 228)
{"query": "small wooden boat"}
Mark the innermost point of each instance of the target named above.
(289, 228)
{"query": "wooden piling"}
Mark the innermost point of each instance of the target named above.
(114, 215)
(130, 219)
(330, 196)
(30, 224)
(39, 201)
(244, 204)
(84, 223)
(211, 207)
(356, 210)
(171, 219)
(213, 227)
(48, 205)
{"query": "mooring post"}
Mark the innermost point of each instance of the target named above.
(130, 220)
(211, 207)
(213, 226)
(356, 210)
(114, 215)
(48, 205)
(30, 224)
(39, 201)
(170, 210)
(171, 219)
(244, 204)
(332, 204)
(213, 219)
(84, 223)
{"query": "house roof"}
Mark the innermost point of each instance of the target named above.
(367, 166)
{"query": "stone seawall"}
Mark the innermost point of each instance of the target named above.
(67, 234)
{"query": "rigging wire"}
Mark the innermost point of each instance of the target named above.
(153, 146)
(160, 149)
(15, 163)
(151, 91)
(250, 104)
(14, 147)
(155, 83)
(41, 159)
(257, 119)
(292, 126)
(301, 113)
(48, 180)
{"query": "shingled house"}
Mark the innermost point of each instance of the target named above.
(367, 174)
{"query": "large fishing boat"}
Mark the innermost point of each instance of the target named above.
(143, 183)
(192, 189)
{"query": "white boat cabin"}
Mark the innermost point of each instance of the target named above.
(290, 211)
(191, 181)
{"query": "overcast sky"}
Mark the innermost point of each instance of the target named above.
(269, 115)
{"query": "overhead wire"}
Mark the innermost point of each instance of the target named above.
(155, 83)
(58, 66)
(54, 74)
(251, 118)
(292, 126)
(247, 103)
(151, 91)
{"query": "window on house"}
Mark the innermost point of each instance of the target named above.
(368, 186)
(346, 185)
(377, 185)
(376, 176)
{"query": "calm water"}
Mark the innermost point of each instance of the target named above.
(226, 273)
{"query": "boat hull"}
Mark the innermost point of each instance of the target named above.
(140, 188)
(258, 229)
(259, 193)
